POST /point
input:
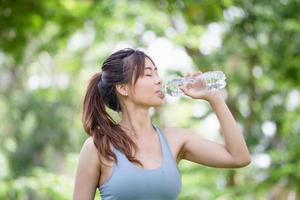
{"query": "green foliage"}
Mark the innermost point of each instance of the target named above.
(44, 75)
(40, 185)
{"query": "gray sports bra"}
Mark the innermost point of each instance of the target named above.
(129, 182)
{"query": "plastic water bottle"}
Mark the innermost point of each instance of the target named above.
(211, 80)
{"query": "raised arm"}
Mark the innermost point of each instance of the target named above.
(197, 149)
(88, 172)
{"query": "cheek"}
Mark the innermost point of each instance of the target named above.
(143, 89)
(143, 86)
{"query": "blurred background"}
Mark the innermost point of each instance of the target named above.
(50, 49)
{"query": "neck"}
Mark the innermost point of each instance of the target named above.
(137, 122)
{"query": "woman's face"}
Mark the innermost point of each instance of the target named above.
(147, 90)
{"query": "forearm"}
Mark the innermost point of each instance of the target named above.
(234, 141)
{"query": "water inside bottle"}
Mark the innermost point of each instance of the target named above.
(171, 87)
(215, 83)
(207, 81)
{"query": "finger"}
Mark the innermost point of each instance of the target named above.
(193, 74)
(182, 89)
(188, 86)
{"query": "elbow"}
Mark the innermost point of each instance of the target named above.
(243, 162)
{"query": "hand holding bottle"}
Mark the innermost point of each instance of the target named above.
(200, 87)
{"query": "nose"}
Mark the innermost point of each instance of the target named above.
(158, 80)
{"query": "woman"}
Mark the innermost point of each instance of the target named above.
(134, 159)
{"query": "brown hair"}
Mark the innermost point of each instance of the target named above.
(120, 67)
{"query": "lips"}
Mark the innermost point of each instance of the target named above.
(160, 93)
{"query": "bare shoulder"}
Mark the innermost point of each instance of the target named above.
(176, 138)
(89, 152)
(176, 133)
(88, 171)
(89, 146)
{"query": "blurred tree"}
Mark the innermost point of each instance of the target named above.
(260, 53)
(48, 48)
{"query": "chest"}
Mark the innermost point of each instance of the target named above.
(149, 153)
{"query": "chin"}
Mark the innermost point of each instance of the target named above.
(158, 104)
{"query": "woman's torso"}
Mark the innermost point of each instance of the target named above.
(153, 153)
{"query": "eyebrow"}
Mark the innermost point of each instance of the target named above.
(155, 68)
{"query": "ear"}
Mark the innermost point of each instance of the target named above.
(122, 89)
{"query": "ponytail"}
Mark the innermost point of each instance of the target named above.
(99, 124)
